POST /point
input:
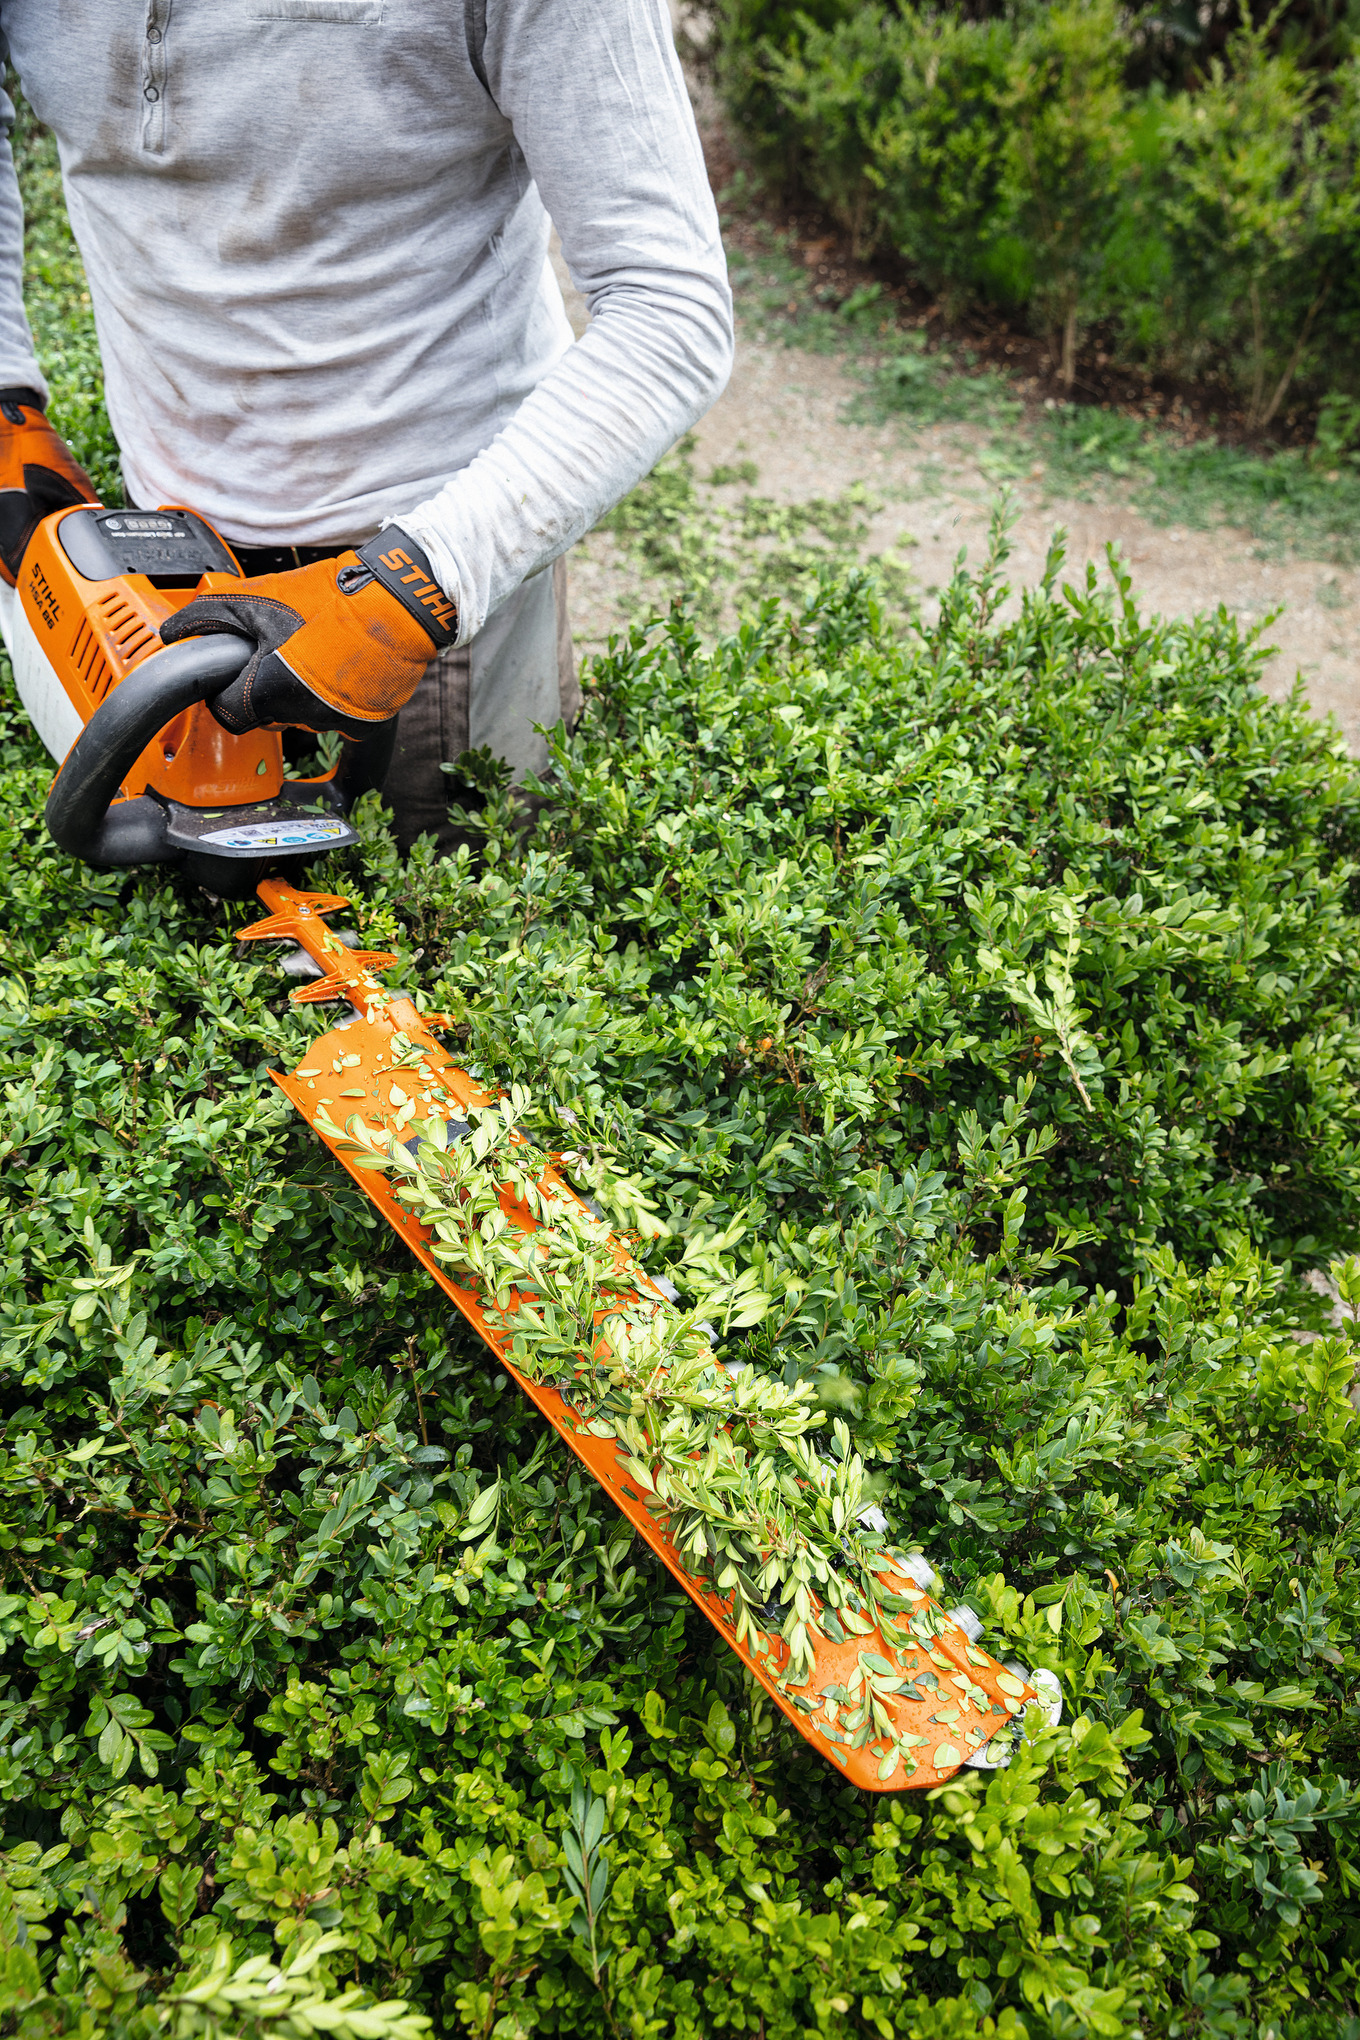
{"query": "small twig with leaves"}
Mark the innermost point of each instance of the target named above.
(587, 1875)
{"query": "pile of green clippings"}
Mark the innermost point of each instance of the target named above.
(728, 1466)
(986, 1001)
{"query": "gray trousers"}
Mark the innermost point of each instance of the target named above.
(519, 670)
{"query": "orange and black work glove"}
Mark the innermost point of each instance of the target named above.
(38, 473)
(338, 646)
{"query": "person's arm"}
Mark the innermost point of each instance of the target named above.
(595, 94)
(18, 363)
(38, 471)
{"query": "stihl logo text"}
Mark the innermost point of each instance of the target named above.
(44, 596)
(426, 592)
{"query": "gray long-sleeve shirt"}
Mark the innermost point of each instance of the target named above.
(316, 237)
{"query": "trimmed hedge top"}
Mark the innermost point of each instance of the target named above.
(986, 1002)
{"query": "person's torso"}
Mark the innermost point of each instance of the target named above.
(315, 253)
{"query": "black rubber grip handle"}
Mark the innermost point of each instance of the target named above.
(79, 812)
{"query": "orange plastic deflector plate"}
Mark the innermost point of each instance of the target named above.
(388, 1066)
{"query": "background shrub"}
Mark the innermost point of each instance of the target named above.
(1258, 201)
(898, 122)
(1066, 155)
(834, 87)
(746, 32)
(1003, 157)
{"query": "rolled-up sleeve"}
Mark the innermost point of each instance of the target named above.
(595, 95)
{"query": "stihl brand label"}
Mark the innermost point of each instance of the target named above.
(405, 572)
(44, 596)
(421, 588)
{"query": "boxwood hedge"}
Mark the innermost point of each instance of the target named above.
(988, 996)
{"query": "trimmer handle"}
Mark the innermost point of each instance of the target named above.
(81, 815)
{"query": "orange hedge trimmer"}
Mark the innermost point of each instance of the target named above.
(150, 777)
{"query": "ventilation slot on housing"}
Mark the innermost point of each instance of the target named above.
(93, 668)
(127, 627)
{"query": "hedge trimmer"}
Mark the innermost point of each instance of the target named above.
(770, 1537)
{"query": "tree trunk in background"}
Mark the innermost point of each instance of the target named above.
(1258, 367)
(1295, 357)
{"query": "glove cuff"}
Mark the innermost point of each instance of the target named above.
(397, 561)
(13, 404)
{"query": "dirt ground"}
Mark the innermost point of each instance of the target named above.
(783, 410)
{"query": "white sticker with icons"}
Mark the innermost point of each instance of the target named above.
(277, 835)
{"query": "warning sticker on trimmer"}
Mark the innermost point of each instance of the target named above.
(289, 835)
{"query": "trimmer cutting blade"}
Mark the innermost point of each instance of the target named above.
(387, 1066)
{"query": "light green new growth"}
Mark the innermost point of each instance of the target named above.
(225, 1999)
(749, 1504)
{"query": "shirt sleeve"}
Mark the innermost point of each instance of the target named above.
(19, 368)
(595, 95)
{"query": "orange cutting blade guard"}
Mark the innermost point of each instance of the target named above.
(953, 1699)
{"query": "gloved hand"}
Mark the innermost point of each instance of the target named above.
(38, 473)
(338, 646)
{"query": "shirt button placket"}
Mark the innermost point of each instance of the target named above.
(154, 76)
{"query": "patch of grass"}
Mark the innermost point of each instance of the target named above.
(933, 386)
(1285, 501)
(726, 558)
(723, 476)
(776, 296)
(780, 299)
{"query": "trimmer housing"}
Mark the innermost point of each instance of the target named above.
(149, 776)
